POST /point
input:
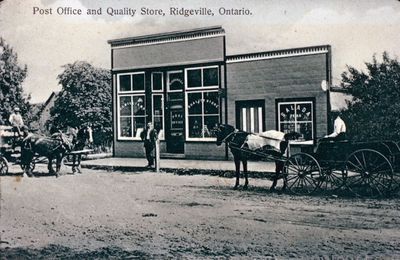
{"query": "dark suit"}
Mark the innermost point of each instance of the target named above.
(149, 144)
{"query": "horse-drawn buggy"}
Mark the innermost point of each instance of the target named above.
(27, 149)
(362, 168)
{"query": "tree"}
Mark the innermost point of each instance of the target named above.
(374, 111)
(11, 77)
(85, 98)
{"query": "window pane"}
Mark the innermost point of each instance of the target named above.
(211, 103)
(305, 129)
(158, 123)
(175, 81)
(139, 123)
(287, 112)
(194, 78)
(138, 105)
(157, 105)
(195, 126)
(303, 112)
(157, 81)
(210, 77)
(195, 103)
(176, 117)
(158, 112)
(138, 82)
(125, 106)
(210, 125)
(125, 83)
(287, 127)
(126, 126)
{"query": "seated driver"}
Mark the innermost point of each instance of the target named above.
(339, 131)
(16, 121)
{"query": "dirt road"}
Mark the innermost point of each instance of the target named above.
(102, 214)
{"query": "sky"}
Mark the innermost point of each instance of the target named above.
(356, 30)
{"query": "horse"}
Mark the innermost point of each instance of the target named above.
(237, 142)
(80, 140)
(54, 147)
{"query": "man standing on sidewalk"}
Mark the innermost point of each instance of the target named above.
(149, 136)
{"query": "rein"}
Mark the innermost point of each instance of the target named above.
(226, 137)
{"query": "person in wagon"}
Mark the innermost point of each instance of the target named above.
(16, 121)
(339, 130)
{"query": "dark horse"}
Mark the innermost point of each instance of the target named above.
(236, 142)
(54, 147)
(80, 140)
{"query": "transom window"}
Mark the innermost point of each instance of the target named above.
(131, 82)
(175, 81)
(157, 81)
(206, 77)
(296, 117)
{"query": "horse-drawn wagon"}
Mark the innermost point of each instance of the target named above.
(30, 149)
(9, 149)
(362, 168)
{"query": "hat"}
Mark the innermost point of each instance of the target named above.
(16, 109)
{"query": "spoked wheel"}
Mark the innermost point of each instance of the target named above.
(303, 174)
(369, 173)
(332, 178)
(3, 166)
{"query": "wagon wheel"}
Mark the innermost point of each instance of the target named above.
(369, 173)
(303, 174)
(333, 178)
(3, 166)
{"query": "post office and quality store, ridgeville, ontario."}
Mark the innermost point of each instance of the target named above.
(186, 83)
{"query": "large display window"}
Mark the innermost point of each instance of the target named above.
(297, 116)
(202, 102)
(132, 116)
(202, 115)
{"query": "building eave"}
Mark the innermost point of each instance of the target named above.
(205, 32)
(311, 50)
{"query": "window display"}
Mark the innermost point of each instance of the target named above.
(132, 116)
(297, 117)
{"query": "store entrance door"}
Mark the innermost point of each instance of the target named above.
(175, 113)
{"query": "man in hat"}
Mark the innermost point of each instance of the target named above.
(16, 121)
(149, 136)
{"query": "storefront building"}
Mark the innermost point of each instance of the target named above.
(186, 84)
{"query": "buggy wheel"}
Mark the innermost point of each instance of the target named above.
(332, 178)
(369, 173)
(3, 166)
(303, 174)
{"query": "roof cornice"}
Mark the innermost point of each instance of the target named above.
(278, 54)
(184, 35)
